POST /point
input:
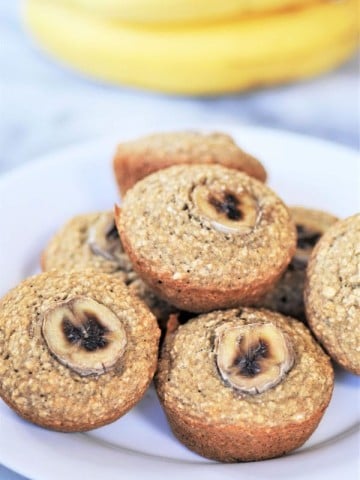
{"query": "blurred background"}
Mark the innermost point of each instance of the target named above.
(72, 70)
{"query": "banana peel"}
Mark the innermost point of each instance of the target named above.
(180, 11)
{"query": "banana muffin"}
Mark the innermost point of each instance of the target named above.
(77, 350)
(206, 236)
(92, 241)
(136, 159)
(89, 240)
(243, 384)
(332, 292)
(287, 296)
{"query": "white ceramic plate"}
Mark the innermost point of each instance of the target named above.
(37, 199)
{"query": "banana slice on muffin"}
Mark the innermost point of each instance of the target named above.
(77, 350)
(206, 236)
(243, 384)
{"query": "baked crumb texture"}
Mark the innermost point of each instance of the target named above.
(42, 390)
(287, 296)
(218, 422)
(69, 250)
(188, 262)
(332, 293)
(136, 159)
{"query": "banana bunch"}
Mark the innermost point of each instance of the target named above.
(138, 43)
(179, 11)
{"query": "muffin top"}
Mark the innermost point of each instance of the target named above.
(88, 241)
(206, 225)
(138, 158)
(244, 366)
(332, 294)
(91, 241)
(77, 350)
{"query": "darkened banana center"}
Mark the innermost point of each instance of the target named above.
(84, 335)
(252, 358)
(103, 238)
(228, 212)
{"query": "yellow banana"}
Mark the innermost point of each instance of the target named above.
(167, 11)
(199, 59)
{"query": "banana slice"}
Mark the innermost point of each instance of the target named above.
(228, 212)
(253, 358)
(103, 238)
(84, 335)
(307, 238)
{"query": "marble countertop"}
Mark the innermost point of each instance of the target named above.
(44, 107)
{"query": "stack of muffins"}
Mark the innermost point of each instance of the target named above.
(204, 252)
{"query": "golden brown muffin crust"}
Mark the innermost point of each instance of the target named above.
(40, 388)
(69, 249)
(193, 265)
(218, 422)
(136, 159)
(332, 292)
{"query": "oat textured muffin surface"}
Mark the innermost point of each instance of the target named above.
(77, 350)
(224, 423)
(88, 241)
(287, 296)
(136, 159)
(206, 237)
(332, 292)
(91, 241)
